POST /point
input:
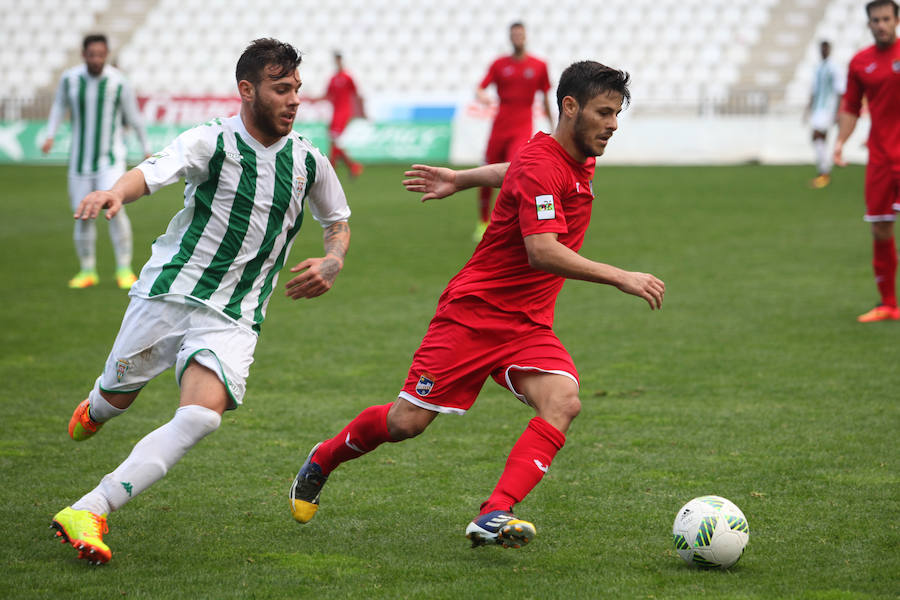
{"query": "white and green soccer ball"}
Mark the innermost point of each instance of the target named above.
(710, 532)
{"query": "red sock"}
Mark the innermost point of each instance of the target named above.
(884, 262)
(484, 203)
(363, 434)
(527, 462)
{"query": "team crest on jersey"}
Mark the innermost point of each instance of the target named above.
(529, 73)
(895, 66)
(545, 209)
(425, 384)
(122, 367)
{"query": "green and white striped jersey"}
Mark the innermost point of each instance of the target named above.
(827, 86)
(243, 206)
(98, 107)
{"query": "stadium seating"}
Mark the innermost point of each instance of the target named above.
(844, 25)
(679, 52)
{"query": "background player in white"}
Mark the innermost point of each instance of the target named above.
(99, 100)
(825, 97)
(202, 296)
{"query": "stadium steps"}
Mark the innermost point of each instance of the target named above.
(119, 22)
(772, 59)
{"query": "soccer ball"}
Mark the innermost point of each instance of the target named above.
(710, 532)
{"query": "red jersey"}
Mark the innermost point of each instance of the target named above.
(342, 95)
(875, 73)
(545, 191)
(517, 81)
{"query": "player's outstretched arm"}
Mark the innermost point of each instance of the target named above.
(440, 182)
(317, 275)
(128, 188)
(547, 254)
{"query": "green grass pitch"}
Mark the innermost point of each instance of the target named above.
(754, 382)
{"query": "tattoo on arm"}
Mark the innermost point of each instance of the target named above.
(336, 240)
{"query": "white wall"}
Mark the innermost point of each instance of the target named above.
(679, 140)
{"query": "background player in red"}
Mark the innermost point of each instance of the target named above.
(495, 317)
(517, 78)
(346, 104)
(875, 73)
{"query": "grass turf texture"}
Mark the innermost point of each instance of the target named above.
(754, 382)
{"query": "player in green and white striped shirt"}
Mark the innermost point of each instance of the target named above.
(202, 296)
(99, 100)
(825, 96)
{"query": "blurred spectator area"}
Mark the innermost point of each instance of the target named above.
(684, 55)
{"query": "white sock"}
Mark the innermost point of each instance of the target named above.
(85, 237)
(102, 411)
(150, 459)
(120, 234)
(822, 163)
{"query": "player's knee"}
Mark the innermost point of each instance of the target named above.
(406, 422)
(568, 405)
(198, 421)
(882, 230)
(403, 429)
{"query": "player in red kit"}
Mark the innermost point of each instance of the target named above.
(517, 78)
(875, 74)
(346, 104)
(495, 317)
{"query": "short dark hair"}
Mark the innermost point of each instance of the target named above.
(93, 38)
(586, 79)
(515, 24)
(877, 3)
(263, 52)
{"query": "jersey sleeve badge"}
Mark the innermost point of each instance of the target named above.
(545, 208)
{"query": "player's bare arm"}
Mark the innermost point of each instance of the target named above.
(128, 188)
(545, 253)
(547, 111)
(440, 182)
(846, 125)
(482, 96)
(317, 275)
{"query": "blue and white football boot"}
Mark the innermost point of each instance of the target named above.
(306, 489)
(500, 527)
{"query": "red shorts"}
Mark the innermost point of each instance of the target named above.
(469, 340)
(339, 121)
(882, 192)
(503, 145)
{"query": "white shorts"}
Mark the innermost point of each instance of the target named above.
(156, 334)
(822, 120)
(82, 185)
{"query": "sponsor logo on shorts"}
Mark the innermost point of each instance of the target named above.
(151, 160)
(122, 367)
(545, 208)
(425, 384)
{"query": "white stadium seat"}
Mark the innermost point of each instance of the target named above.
(673, 47)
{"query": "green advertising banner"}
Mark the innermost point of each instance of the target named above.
(20, 141)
